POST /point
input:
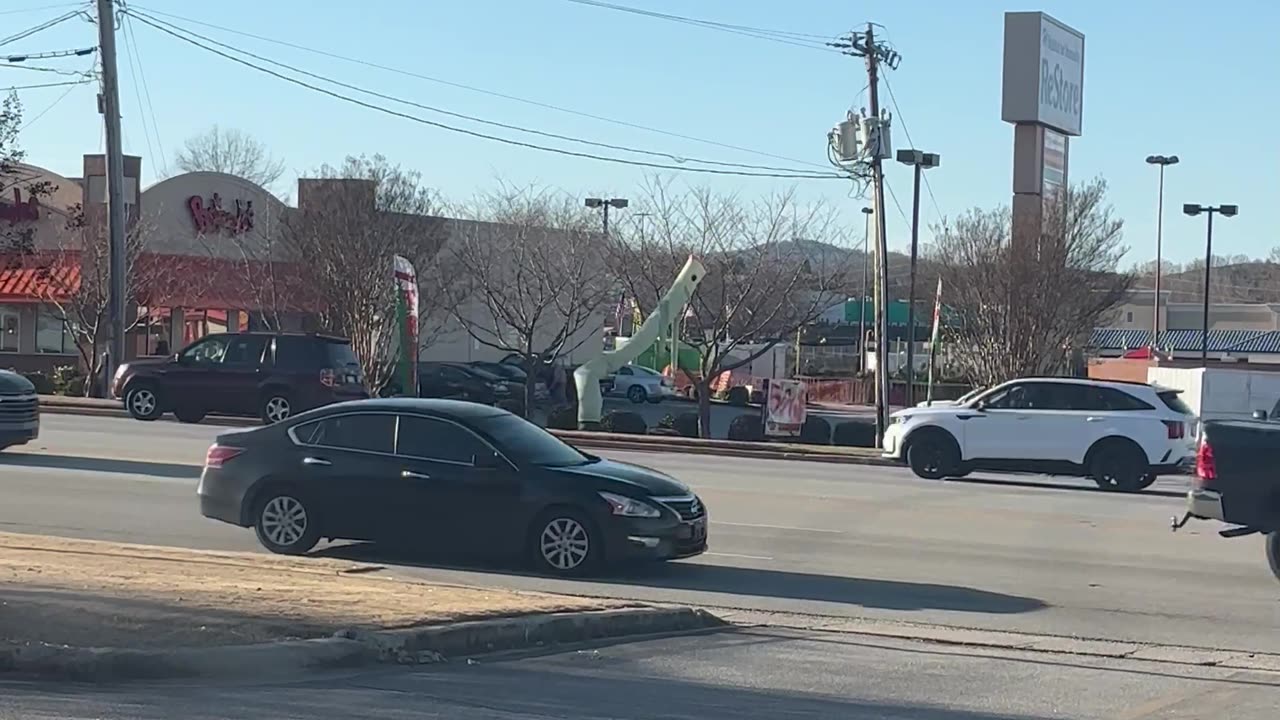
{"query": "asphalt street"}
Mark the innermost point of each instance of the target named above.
(750, 674)
(1032, 554)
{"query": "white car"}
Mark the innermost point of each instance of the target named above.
(1121, 434)
(640, 384)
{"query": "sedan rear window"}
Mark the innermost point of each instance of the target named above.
(1173, 401)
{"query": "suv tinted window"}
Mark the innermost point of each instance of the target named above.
(210, 350)
(1113, 399)
(340, 354)
(246, 350)
(295, 353)
(430, 439)
(1172, 399)
(365, 431)
(1023, 396)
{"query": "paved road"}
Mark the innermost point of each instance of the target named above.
(1019, 553)
(751, 675)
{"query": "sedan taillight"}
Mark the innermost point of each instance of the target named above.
(219, 455)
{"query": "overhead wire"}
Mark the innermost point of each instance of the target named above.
(471, 118)
(480, 90)
(41, 27)
(41, 8)
(38, 86)
(902, 121)
(804, 40)
(146, 89)
(147, 127)
(473, 133)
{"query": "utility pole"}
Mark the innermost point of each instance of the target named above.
(871, 54)
(115, 184)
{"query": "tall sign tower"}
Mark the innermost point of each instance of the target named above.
(1043, 97)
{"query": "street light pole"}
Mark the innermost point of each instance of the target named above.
(604, 205)
(1163, 161)
(1192, 210)
(919, 161)
(862, 299)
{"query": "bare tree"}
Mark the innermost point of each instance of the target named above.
(1021, 307)
(342, 241)
(533, 276)
(17, 239)
(232, 152)
(82, 298)
(770, 265)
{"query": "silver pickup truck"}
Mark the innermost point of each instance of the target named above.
(19, 410)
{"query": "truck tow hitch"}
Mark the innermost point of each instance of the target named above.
(1175, 524)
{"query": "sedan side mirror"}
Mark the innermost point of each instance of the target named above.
(176, 358)
(1259, 414)
(980, 406)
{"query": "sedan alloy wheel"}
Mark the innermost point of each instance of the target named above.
(564, 546)
(284, 526)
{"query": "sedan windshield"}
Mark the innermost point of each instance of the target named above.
(526, 443)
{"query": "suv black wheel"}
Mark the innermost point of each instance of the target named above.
(142, 400)
(276, 406)
(1121, 466)
(564, 542)
(284, 524)
(637, 394)
(933, 456)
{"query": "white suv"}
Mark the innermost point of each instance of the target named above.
(1122, 434)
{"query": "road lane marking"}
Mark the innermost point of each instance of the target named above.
(736, 555)
(778, 527)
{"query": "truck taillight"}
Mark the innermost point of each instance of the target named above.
(219, 455)
(1177, 429)
(1206, 471)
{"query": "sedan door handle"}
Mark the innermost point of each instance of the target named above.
(1094, 419)
(316, 461)
(411, 475)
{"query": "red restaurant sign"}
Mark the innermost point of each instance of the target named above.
(213, 219)
(20, 211)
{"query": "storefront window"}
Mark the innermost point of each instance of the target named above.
(53, 332)
(201, 322)
(10, 329)
(151, 336)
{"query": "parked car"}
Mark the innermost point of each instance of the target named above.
(462, 382)
(272, 376)
(640, 384)
(1236, 481)
(515, 374)
(1121, 434)
(19, 410)
(447, 475)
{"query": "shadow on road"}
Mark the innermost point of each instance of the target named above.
(699, 577)
(1016, 481)
(108, 465)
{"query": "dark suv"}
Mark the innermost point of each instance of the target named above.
(268, 375)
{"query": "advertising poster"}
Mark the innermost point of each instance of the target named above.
(784, 408)
(407, 321)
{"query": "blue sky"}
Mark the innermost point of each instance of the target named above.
(1160, 77)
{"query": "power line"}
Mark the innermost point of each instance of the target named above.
(39, 68)
(53, 104)
(804, 40)
(40, 27)
(137, 93)
(131, 48)
(38, 86)
(40, 8)
(50, 55)
(897, 204)
(472, 118)
(483, 91)
(902, 121)
(508, 141)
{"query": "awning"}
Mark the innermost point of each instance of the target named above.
(37, 284)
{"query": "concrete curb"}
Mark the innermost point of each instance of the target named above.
(601, 441)
(351, 648)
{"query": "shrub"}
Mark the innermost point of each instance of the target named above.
(739, 396)
(855, 433)
(626, 423)
(815, 431)
(684, 424)
(563, 418)
(746, 428)
(44, 385)
(75, 386)
(64, 377)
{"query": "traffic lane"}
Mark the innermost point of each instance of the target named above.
(746, 674)
(884, 546)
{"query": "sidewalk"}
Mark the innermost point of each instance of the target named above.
(74, 608)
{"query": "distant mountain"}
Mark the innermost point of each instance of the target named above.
(1251, 282)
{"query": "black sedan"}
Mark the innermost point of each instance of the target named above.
(448, 475)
